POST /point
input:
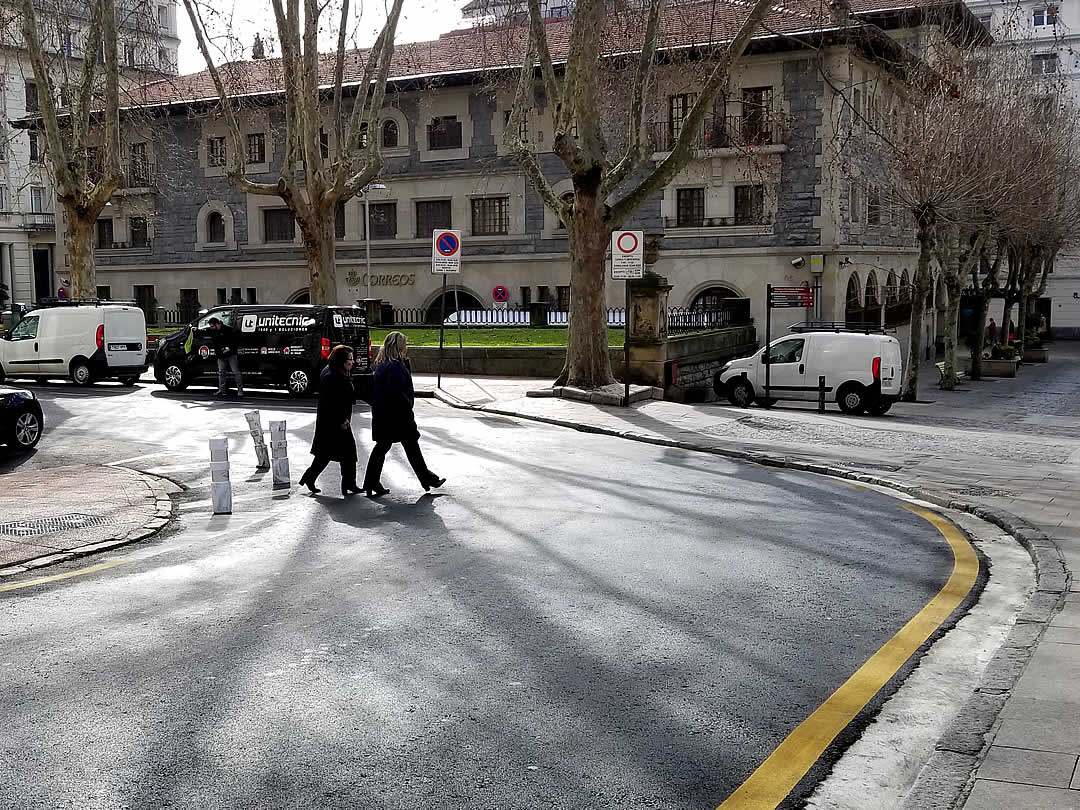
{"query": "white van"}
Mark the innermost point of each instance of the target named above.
(863, 371)
(85, 342)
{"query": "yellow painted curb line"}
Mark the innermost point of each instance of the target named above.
(57, 577)
(777, 776)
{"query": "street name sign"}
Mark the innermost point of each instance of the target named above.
(627, 255)
(786, 297)
(445, 252)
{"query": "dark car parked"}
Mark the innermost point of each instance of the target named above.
(21, 422)
(283, 345)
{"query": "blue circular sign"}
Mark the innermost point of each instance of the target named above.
(447, 244)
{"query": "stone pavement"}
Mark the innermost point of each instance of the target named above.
(52, 515)
(1007, 450)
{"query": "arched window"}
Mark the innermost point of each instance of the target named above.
(905, 287)
(870, 297)
(389, 134)
(567, 198)
(215, 228)
(710, 299)
(853, 300)
(892, 289)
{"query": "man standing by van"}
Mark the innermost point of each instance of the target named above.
(225, 339)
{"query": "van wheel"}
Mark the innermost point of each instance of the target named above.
(81, 373)
(880, 408)
(128, 381)
(740, 393)
(174, 377)
(851, 398)
(298, 382)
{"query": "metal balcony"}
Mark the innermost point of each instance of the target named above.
(731, 132)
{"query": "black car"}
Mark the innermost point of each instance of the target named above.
(21, 423)
(283, 345)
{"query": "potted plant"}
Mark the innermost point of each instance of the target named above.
(1002, 362)
(1035, 351)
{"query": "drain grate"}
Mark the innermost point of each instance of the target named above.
(49, 525)
(982, 492)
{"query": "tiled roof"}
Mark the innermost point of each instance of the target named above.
(475, 50)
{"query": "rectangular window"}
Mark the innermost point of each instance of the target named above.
(3, 198)
(855, 203)
(1044, 64)
(215, 151)
(163, 16)
(37, 199)
(37, 154)
(431, 215)
(679, 107)
(129, 55)
(523, 125)
(256, 147)
(526, 296)
(236, 296)
(278, 225)
(383, 224)
(252, 295)
(104, 234)
(690, 207)
(32, 104)
(757, 115)
(362, 136)
(222, 296)
(339, 221)
(490, 216)
(749, 205)
(542, 293)
(65, 43)
(856, 104)
(444, 133)
(873, 206)
(562, 292)
(1047, 15)
(140, 166)
(104, 292)
(324, 144)
(137, 225)
(189, 304)
(65, 96)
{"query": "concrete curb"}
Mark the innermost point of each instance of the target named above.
(947, 777)
(164, 510)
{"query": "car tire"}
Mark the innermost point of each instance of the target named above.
(174, 377)
(852, 398)
(298, 382)
(26, 430)
(81, 373)
(740, 392)
(880, 408)
(2, 374)
(128, 381)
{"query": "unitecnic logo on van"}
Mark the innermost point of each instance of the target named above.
(280, 323)
(341, 320)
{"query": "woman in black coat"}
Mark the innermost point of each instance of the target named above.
(392, 417)
(333, 423)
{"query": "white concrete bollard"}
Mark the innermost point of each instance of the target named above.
(220, 484)
(279, 454)
(254, 420)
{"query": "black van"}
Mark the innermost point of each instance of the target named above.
(279, 345)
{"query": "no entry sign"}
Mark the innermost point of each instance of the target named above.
(445, 252)
(627, 255)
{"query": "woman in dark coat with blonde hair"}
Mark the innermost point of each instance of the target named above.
(333, 423)
(392, 417)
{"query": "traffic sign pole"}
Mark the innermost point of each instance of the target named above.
(627, 262)
(768, 333)
(626, 347)
(460, 345)
(442, 321)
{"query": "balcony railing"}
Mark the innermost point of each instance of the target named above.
(731, 132)
(717, 222)
(137, 174)
(38, 221)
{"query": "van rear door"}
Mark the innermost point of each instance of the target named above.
(892, 367)
(125, 337)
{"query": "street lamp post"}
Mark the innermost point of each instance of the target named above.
(367, 232)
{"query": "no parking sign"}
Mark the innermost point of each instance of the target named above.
(445, 252)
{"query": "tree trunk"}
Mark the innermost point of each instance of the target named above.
(1006, 315)
(319, 250)
(588, 362)
(79, 244)
(918, 310)
(979, 338)
(952, 327)
(1021, 324)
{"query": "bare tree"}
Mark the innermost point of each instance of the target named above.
(312, 182)
(607, 190)
(83, 181)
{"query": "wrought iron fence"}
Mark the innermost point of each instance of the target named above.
(173, 317)
(734, 131)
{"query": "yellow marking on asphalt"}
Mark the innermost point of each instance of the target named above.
(57, 577)
(777, 776)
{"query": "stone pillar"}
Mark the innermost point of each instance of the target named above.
(648, 328)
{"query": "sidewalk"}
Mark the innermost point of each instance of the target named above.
(1007, 450)
(49, 516)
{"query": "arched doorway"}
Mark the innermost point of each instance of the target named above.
(299, 297)
(465, 301)
(711, 298)
(853, 300)
(871, 301)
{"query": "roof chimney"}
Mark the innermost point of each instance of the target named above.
(258, 50)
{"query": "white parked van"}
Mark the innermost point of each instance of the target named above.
(863, 371)
(82, 341)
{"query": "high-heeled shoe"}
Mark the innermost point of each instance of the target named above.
(433, 483)
(377, 493)
(350, 489)
(310, 484)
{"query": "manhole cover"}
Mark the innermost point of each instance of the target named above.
(49, 525)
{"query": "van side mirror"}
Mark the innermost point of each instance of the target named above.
(6, 335)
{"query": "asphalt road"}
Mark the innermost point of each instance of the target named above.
(574, 621)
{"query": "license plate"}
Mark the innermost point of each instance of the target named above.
(125, 347)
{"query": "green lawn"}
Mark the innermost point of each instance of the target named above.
(504, 336)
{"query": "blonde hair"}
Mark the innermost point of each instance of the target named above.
(393, 348)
